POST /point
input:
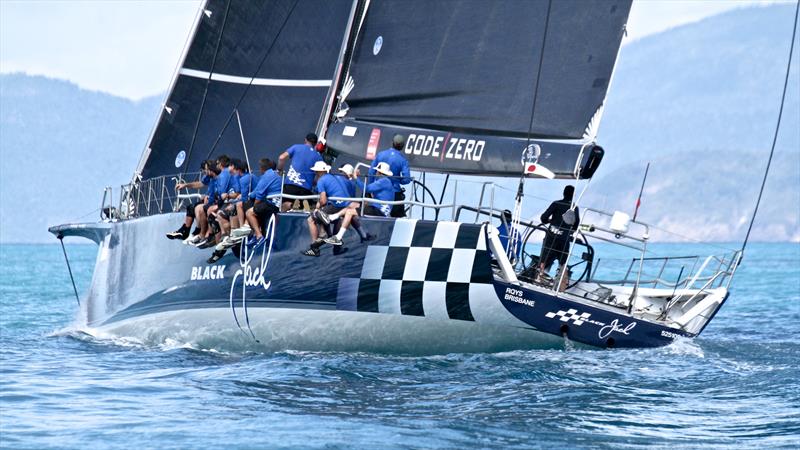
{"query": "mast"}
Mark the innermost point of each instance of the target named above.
(359, 6)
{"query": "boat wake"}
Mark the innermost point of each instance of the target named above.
(277, 330)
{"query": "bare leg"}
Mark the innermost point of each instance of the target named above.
(200, 213)
(286, 205)
(224, 226)
(312, 229)
(252, 220)
(240, 214)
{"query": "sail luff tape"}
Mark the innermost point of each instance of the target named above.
(255, 81)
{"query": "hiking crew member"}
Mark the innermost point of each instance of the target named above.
(227, 217)
(381, 188)
(398, 165)
(201, 210)
(263, 207)
(346, 179)
(299, 176)
(182, 233)
(327, 187)
(562, 221)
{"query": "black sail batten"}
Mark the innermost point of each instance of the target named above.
(274, 65)
(474, 68)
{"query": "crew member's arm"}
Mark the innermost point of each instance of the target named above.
(547, 215)
(323, 199)
(192, 185)
(405, 173)
(282, 161)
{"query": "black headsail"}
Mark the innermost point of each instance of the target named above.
(271, 61)
(473, 83)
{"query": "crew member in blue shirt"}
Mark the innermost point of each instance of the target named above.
(227, 214)
(182, 233)
(327, 186)
(347, 181)
(380, 189)
(398, 165)
(201, 209)
(222, 186)
(299, 176)
(263, 207)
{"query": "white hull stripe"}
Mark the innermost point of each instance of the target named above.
(256, 81)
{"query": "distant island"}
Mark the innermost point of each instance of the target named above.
(699, 102)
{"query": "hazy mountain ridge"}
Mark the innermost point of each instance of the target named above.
(59, 146)
(698, 101)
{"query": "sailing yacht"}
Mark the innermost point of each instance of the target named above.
(501, 89)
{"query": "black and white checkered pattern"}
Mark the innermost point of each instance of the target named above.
(570, 314)
(428, 269)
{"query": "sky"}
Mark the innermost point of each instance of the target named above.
(130, 48)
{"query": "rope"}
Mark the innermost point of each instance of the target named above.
(208, 83)
(63, 249)
(777, 128)
(250, 84)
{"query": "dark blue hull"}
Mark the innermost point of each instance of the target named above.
(413, 270)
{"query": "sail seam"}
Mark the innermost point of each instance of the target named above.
(255, 81)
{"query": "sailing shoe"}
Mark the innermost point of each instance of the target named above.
(216, 256)
(333, 240)
(210, 242)
(241, 231)
(311, 252)
(318, 242)
(339, 250)
(321, 217)
(368, 237)
(181, 233)
(193, 240)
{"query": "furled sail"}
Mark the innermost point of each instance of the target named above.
(270, 61)
(473, 83)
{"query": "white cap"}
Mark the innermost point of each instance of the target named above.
(320, 166)
(383, 168)
(347, 169)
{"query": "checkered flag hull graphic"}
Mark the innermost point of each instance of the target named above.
(428, 269)
(570, 314)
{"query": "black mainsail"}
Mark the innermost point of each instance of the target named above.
(270, 61)
(473, 83)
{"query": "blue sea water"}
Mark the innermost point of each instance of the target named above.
(736, 385)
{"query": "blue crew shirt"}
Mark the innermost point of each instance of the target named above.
(336, 186)
(397, 164)
(223, 182)
(235, 186)
(246, 184)
(268, 184)
(212, 191)
(303, 158)
(382, 189)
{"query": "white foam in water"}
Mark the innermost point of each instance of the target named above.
(685, 346)
(313, 330)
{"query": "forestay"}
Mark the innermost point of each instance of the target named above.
(473, 83)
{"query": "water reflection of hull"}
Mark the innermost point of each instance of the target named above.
(419, 286)
(297, 328)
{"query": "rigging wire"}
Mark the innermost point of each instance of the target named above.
(208, 83)
(777, 128)
(64, 249)
(250, 84)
